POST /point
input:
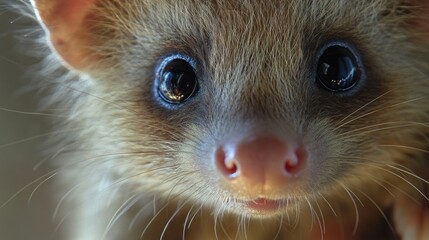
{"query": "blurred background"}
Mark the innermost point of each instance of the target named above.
(20, 150)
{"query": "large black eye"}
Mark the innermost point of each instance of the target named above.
(177, 80)
(338, 67)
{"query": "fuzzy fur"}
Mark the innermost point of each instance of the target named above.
(132, 167)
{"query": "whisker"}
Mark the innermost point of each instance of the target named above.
(379, 209)
(58, 226)
(109, 103)
(153, 219)
(240, 222)
(405, 147)
(314, 215)
(375, 111)
(186, 221)
(355, 206)
(137, 215)
(327, 202)
(159, 212)
(31, 113)
(409, 173)
(40, 163)
(361, 131)
(412, 185)
(382, 166)
(279, 228)
(322, 217)
(362, 107)
(195, 214)
(56, 171)
(62, 199)
(119, 212)
(118, 181)
(37, 137)
(171, 219)
(24, 188)
(38, 186)
(297, 215)
(224, 230)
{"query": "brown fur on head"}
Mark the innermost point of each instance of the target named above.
(255, 61)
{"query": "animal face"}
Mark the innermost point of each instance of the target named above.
(251, 107)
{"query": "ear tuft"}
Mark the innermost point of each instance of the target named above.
(65, 22)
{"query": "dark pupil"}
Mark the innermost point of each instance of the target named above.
(178, 81)
(337, 69)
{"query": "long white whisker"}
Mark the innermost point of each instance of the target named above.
(137, 215)
(171, 219)
(327, 202)
(409, 173)
(382, 167)
(374, 111)
(314, 213)
(160, 210)
(38, 186)
(186, 222)
(322, 217)
(379, 209)
(57, 227)
(48, 175)
(57, 208)
(38, 136)
(355, 205)
(280, 227)
(405, 147)
(362, 107)
(31, 113)
(195, 214)
(360, 131)
(119, 212)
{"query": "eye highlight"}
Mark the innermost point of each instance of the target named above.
(177, 79)
(339, 67)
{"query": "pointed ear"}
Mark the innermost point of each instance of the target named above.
(65, 22)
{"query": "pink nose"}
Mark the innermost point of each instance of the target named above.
(261, 160)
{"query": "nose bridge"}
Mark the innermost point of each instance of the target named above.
(257, 102)
(268, 87)
(255, 55)
(254, 78)
(263, 97)
(258, 97)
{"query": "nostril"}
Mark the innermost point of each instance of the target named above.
(231, 168)
(228, 167)
(295, 162)
(290, 166)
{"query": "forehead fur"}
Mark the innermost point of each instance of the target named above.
(236, 31)
(243, 39)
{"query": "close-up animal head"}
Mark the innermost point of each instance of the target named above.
(251, 109)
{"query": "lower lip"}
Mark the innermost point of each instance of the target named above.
(263, 205)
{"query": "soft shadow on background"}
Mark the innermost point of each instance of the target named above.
(20, 220)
